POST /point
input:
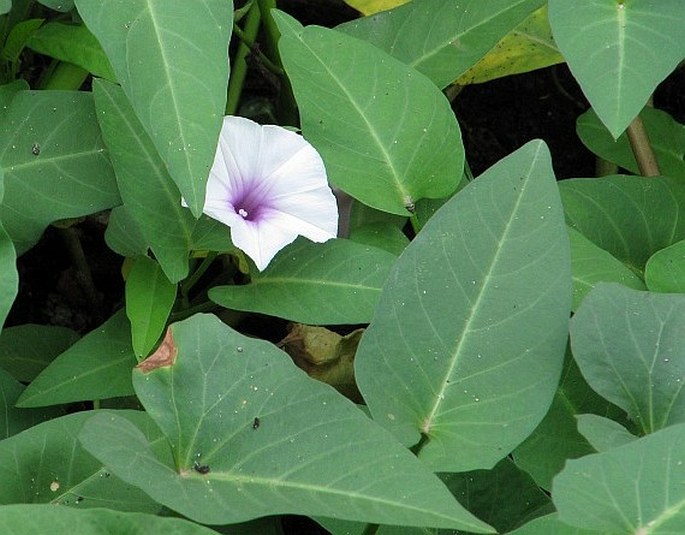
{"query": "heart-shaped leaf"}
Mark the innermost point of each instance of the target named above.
(470, 330)
(619, 51)
(171, 59)
(387, 135)
(252, 435)
(603, 433)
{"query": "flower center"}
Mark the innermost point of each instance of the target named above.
(243, 213)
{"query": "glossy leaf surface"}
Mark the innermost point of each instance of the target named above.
(457, 350)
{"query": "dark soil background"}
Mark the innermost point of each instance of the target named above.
(496, 118)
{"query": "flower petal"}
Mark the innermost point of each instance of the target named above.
(260, 241)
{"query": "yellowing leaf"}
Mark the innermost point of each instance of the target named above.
(369, 7)
(527, 47)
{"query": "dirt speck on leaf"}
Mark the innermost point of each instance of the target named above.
(164, 356)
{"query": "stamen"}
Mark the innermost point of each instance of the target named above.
(242, 213)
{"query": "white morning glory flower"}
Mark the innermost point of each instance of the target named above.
(269, 185)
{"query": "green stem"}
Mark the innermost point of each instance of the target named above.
(188, 284)
(287, 106)
(239, 67)
(250, 42)
(642, 148)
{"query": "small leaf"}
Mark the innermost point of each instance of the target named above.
(18, 37)
(628, 344)
(382, 236)
(72, 43)
(26, 350)
(123, 235)
(252, 435)
(63, 6)
(46, 464)
(665, 270)
(171, 59)
(387, 135)
(337, 282)
(50, 142)
(619, 51)
(630, 217)
(369, 7)
(149, 300)
(591, 264)
(666, 136)
(603, 433)
(633, 489)
(96, 367)
(469, 333)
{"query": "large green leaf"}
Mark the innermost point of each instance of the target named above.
(387, 135)
(544, 453)
(666, 136)
(59, 5)
(630, 217)
(442, 38)
(96, 367)
(150, 195)
(31, 519)
(467, 342)
(619, 51)
(591, 264)
(12, 419)
(27, 349)
(628, 345)
(252, 435)
(72, 43)
(171, 58)
(149, 300)
(331, 283)
(54, 162)
(665, 270)
(638, 488)
(9, 281)
(46, 464)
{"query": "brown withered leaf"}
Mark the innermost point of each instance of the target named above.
(325, 355)
(165, 355)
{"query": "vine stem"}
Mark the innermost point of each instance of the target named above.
(642, 148)
(239, 70)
